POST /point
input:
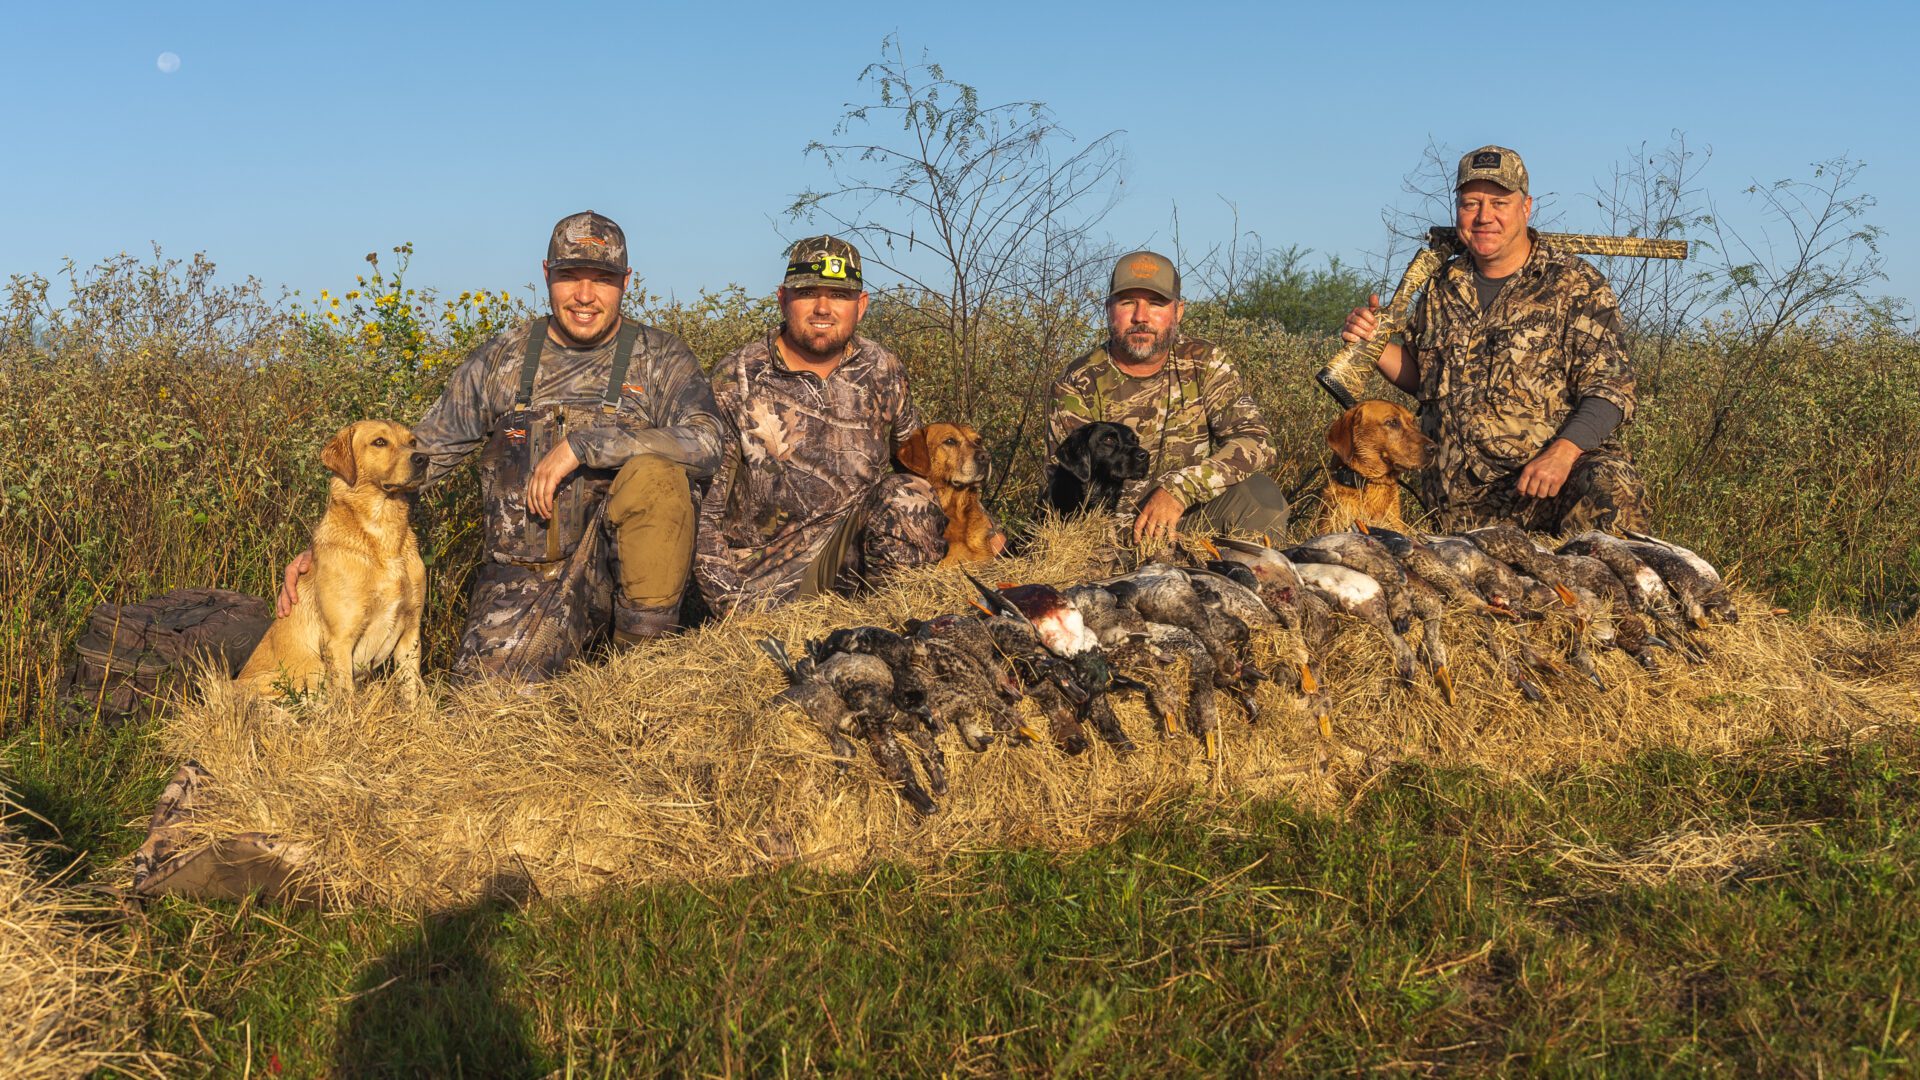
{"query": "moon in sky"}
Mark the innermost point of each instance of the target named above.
(168, 63)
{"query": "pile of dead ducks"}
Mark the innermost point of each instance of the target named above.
(1068, 650)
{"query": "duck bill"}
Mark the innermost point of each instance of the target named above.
(1325, 723)
(1566, 595)
(1027, 733)
(1213, 744)
(1445, 678)
(1308, 684)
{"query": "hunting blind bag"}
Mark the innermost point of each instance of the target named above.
(132, 657)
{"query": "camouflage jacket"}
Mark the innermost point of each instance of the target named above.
(1195, 418)
(665, 406)
(801, 452)
(1495, 388)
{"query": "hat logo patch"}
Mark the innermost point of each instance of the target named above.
(833, 266)
(1485, 159)
(1144, 268)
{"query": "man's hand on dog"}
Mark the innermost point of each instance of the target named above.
(1159, 519)
(559, 462)
(301, 566)
(1545, 475)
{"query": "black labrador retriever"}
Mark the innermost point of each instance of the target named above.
(1092, 465)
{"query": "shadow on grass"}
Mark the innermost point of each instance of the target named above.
(435, 1006)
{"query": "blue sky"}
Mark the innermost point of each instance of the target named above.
(292, 140)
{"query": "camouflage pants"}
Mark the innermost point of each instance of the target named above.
(526, 622)
(1253, 507)
(898, 525)
(1603, 491)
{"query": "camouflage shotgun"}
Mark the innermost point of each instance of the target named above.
(1346, 374)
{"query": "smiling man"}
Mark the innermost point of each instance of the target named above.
(806, 501)
(1180, 395)
(1515, 355)
(592, 430)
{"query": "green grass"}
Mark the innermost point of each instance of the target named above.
(1436, 925)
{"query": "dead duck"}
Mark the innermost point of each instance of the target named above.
(1163, 593)
(1064, 632)
(1295, 608)
(1430, 607)
(1647, 591)
(1497, 583)
(967, 687)
(1358, 551)
(862, 684)
(1510, 544)
(1694, 581)
(1047, 680)
(1127, 638)
(912, 717)
(1354, 593)
(813, 692)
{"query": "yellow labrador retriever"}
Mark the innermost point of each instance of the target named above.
(362, 602)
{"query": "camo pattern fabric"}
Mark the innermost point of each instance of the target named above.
(802, 453)
(1194, 418)
(1603, 491)
(547, 588)
(526, 623)
(1495, 388)
(665, 406)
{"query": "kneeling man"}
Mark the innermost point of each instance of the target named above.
(1180, 395)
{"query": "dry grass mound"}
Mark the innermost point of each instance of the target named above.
(666, 764)
(63, 1002)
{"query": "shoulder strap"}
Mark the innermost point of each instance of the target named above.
(622, 357)
(536, 340)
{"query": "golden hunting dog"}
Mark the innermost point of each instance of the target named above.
(1372, 443)
(953, 459)
(361, 604)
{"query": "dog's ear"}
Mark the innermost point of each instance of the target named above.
(913, 454)
(338, 457)
(1076, 456)
(1340, 435)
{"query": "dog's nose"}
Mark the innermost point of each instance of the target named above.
(419, 462)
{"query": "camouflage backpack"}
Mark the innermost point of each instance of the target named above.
(133, 657)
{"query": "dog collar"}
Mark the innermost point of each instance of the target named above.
(1343, 474)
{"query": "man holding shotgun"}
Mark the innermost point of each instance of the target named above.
(1515, 356)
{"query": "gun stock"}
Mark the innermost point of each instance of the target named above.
(1345, 376)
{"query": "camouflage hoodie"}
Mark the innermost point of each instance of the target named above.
(801, 452)
(1195, 418)
(1496, 387)
(665, 407)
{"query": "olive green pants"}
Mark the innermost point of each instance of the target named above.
(1253, 507)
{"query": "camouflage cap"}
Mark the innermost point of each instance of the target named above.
(1146, 270)
(587, 239)
(823, 261)
(1493, 163)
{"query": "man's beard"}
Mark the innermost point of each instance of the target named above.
(1127, 345)
(820, 342)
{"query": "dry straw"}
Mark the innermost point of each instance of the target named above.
(64, 1008)
(664, 763)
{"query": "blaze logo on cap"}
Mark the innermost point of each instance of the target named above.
(1486, 159)
(1143, 268)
